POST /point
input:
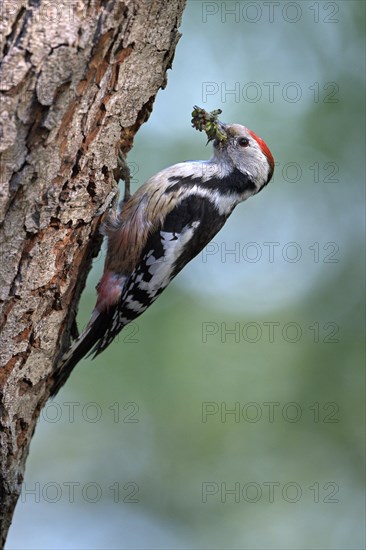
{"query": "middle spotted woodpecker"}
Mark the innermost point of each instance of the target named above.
(165, 224)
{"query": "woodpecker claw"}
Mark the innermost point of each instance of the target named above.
(123, 173)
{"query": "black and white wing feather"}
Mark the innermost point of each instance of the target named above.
(186, 230)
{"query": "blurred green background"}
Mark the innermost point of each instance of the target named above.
(140, 450)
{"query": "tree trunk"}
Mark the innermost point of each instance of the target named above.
(77, 78)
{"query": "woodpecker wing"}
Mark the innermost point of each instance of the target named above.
(186, 230)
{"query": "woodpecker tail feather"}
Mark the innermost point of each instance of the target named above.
(86, 343)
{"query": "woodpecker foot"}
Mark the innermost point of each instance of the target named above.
(122, 172)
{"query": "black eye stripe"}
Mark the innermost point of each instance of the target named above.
(243, 142)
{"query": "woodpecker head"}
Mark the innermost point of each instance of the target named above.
(245, 151)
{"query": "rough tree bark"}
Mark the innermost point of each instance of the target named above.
(77, 77)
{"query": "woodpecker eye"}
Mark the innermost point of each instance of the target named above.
(243, 142)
